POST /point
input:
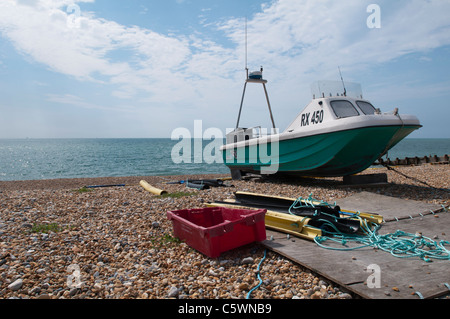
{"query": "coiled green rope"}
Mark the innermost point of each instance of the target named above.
(399, 244)
(308, 202)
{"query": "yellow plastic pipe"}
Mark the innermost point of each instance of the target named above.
(152, 189)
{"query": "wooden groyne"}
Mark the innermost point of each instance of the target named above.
(415, 160)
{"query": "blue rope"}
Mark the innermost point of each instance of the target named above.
(419, 294)
(259, 277)
(308, 202)
(400, 244)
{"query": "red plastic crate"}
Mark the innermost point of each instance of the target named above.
(214, 230)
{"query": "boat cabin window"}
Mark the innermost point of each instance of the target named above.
(343, 109)
(366, 107)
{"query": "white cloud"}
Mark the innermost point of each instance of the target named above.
(306, 36)
(319, 35)
(79, 45)
(297, 41)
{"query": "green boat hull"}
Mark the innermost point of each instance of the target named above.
(334, 154)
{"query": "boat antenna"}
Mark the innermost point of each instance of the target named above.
(246, 48)
(342, 79)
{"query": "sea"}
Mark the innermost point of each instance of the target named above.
(37, 159)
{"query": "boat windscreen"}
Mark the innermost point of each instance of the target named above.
(343, 108)
(366, 107)
(322, 89)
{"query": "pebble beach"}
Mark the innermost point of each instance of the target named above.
(59, 240)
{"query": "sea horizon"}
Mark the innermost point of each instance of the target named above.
(62, 158)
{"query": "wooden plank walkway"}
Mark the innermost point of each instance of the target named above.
(400, 278)
(390, 208)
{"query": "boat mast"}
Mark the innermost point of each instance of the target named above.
(246, 48)
(246, 70)
(251, 80)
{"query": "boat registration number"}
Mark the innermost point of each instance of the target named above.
(316, 118)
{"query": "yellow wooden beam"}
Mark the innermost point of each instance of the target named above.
(370, 217)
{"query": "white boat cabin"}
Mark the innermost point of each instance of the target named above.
(326, 106)
(331, 101)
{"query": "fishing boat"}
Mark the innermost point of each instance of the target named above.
(338, 133)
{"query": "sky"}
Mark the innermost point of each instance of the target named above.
(142, 69)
